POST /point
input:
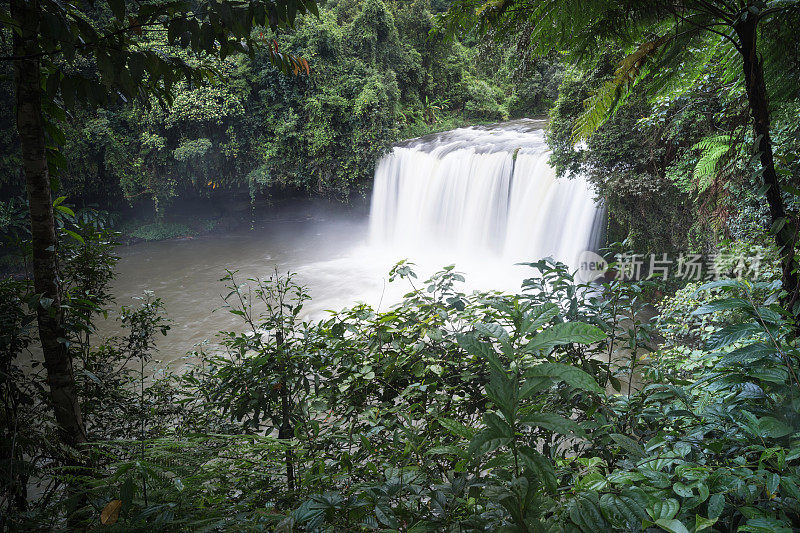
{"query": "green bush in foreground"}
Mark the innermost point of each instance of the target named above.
(541, 411)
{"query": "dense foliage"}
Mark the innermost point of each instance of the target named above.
(620, 405)
(553, 409)
(379, 72)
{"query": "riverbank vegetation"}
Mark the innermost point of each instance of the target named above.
(379, 76)
(620, 405)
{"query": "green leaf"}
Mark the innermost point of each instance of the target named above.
(682, 490)
(723, 305)
(542, 466)
(480, 349)
(486, 441)
(671, 525)
(769, 426)
(720, 283)
(626, 511)
(749, 354)
(575, 377)
(75, 236)
(456, 428)
(503, 393)
(733, 333)
(553, 422)
(665, 509)
(628, 444)
(532, 386)
(66, 210)
(538, 316)
(766, 524)
(716, 504)
(565, 333)
(701, 523)
(592, 481)
(586, 513)
(498, 428)
(493, 330)
(446, 450)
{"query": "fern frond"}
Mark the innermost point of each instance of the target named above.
(611, 95)
(713, 150)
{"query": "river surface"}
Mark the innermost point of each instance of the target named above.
(481, 198)
(328, 252)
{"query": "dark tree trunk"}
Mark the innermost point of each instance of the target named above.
(286, 431)
(758, 101)
(43, 235)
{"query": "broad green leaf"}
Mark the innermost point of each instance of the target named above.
(671, 525)
(486, 441)
(730, 334)
(771, 427)
(723, 305)
(716, 504)
(628, 444)
(534, 385)
(480, 349)
(553, 422)
(586, 513)
(771, 374)
(748, 354)
(456, 428)
(570, 375)
(446, 450)
(496, 331)
(766, 524)
(538, 316)
(682, 490)
(66, 210)
(497, 427)
(720, 283)
(592, 481)
(542, 466)
(701, 523)
(625, 512)
(565, 333)
(75, 236)
(665, 509)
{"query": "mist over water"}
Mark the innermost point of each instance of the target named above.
(480, 198)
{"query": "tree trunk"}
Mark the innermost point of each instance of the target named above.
(758, 101)
(286, 431)
(30, 126)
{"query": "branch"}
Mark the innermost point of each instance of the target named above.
(127, 29)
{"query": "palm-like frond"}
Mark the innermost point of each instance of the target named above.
(713, 149)
(612, 94)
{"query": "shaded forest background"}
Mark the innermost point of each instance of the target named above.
(379, 74)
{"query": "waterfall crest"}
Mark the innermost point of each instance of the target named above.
(483, 191)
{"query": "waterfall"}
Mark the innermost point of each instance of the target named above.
(484, 191)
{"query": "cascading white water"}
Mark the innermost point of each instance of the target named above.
(483, 192)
